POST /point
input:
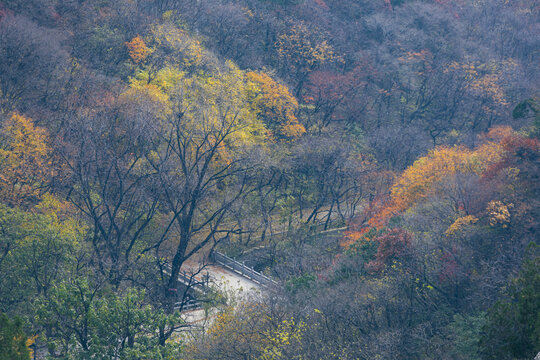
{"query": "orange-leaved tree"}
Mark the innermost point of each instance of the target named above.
(138, 51)
(418, 181)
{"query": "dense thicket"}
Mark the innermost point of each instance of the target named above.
(136, 134)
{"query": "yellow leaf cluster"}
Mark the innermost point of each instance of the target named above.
(251, 329)
(247, 12)
(275, 105)
(29, 342)
(485, 78)
(287, 332)
(222, 322)
(489, 85)
(299, 48)
(137, 91)
(186, 50)
(499, 213)
(59, 215)
(228, 90)
(460, 223)
(24, 160)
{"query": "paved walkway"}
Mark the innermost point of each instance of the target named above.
(223, 279)
(228, 282)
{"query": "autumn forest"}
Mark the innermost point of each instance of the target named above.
(269, 179)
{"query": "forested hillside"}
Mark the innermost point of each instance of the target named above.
(379, 159)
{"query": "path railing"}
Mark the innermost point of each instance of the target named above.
(241, 269)
(202, 286)
(189, 280)
(197, 285)
(188, 305)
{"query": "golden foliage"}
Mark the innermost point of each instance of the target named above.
(25, 164)
(185, 50)
(276, 340)
(251, 330)
(274, 103)
(460, 223)
(210, 104)
(416, 182)
(299, 48)
(29, 342)
(485, 79)
(489, 85)
(221, 100)
(499, 213)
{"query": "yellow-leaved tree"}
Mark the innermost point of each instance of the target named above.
(200, 142)
(250, 331)
(275, 105)
(302, 50)
(25, 162)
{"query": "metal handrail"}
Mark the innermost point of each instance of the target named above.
(187, 280)
(191, 304)
(242, 269)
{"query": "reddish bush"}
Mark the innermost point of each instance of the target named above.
(392, 245)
